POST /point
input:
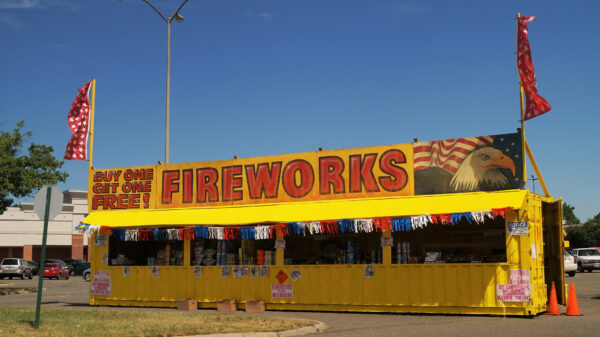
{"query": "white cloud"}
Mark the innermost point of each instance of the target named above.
(262, 15)
(408, 9)
(37, 4)
(19, 4)
(56, 45)
(10, 21)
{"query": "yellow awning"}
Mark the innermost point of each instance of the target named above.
(311, 211)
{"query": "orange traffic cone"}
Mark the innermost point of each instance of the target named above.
(572, 306)
(553, 303)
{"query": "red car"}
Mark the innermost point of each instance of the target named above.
(55, 270)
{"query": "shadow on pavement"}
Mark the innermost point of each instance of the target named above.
(77, 305)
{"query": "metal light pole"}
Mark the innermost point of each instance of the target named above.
(177, 18)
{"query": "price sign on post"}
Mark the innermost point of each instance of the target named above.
(47, 204)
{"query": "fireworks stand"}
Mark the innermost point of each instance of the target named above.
(426, 227)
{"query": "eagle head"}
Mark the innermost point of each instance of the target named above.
(480, 171)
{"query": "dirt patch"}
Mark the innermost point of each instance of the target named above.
(12, 291)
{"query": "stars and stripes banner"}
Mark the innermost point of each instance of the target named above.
(78, 121)
(269, 231)
(535, 104)
(447, 154)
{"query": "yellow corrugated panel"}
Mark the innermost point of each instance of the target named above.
(312, 211)
(446, 288)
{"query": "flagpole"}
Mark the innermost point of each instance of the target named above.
(93, 106)
(524, 161)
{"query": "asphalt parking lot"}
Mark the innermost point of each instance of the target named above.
(73, 293)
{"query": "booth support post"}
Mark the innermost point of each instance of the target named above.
(387, 251)
(535, 167)
(522, 120)
(187, 253)
(279, 251)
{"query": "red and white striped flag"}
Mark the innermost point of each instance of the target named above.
(447, 154)
(535, 104)
(78, 121)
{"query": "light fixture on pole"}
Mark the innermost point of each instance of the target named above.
(178, 18)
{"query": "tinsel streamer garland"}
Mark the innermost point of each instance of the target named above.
(173, 234)
(500, 211)
(145, 235)
(104, 230)
(329, 227)
(420, 221)
(160, 235)
(297, 228)
(201, 232)
(441, 219)
(131, 235)
(119, 233)
(283, 230)
(215, 233)
(91, 229)
(364, 225)
(401, 224)
(263, 232)
(456, 218)
(247, 233)
(480, 216)
(231, 233)
(273, 231)
(314, 227)
(346, 226)
(383, 224)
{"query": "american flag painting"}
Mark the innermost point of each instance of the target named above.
(485, 163)
(447, 154)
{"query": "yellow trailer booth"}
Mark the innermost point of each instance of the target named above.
(426, 227)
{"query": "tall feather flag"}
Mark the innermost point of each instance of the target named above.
(78, 121)
(535, 104)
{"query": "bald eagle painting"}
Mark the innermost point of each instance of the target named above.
(488, 163)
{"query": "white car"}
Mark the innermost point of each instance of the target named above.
(587, 259)
(570, 264)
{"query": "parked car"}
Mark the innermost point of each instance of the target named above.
(86, 275)
(15, 267)
(587, 259)
(35, 267)
(61, 262)
(55, 270)
(77, 266)
(570, 264)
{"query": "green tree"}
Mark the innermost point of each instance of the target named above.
(577, 237)
(595, 219)
(587, 235)
(21, 173)
(569, 214)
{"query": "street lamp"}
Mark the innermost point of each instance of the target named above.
(177, 18)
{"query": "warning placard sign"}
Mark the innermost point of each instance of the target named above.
(282, 290)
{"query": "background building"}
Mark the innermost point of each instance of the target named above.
(21, 230)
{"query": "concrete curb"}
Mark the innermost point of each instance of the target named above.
(318, 327)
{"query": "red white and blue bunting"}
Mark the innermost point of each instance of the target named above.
(269, 231)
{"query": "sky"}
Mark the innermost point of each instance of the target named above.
(266, 77)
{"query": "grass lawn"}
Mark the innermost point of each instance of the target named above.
(16, 321)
